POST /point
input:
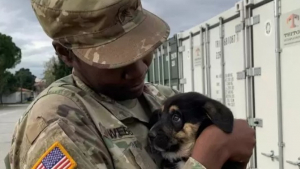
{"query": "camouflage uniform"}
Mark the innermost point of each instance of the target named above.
(91, 127)
(88, 128)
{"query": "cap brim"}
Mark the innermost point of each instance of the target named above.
(132, 46)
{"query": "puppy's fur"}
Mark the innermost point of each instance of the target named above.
(175, 127)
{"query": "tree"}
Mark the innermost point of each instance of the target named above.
(25, 79)
(49, 70)
(61, 69)
(10, 54)
(55, 69)
(8, 84)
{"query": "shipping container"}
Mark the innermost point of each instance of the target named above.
(164, 68)
(247, 58)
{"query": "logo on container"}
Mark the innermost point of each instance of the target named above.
(291, 20)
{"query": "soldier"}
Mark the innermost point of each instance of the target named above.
(96, 117)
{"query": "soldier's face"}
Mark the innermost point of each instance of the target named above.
(121, 83)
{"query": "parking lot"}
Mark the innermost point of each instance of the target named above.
(9, 115)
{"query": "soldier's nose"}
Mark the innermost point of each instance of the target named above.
(136, 70)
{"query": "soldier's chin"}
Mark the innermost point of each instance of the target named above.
(129, 95)
(135, 94)
(136, 91)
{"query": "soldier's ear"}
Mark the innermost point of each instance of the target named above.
(220, 115)
(155, 116)
(63, 53)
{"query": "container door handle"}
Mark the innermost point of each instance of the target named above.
(271, 155)
(294, 163)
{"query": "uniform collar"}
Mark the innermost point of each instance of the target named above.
(119, 111)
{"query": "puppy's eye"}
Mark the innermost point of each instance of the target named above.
(177, 122)
(176, 118)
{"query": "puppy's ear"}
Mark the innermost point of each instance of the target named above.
(154, 118)
(220, 115)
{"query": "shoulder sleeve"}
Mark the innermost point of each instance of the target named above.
(193, 164)
(7, 162)
(57, 132)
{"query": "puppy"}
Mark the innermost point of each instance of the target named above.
(174, 128)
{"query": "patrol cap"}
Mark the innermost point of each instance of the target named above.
(103, 33)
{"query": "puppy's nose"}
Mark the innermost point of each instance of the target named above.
(162, 141)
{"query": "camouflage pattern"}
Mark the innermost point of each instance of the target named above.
(103, 33)
(193, 164)
(90, 126)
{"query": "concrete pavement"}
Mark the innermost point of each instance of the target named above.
(9, 115)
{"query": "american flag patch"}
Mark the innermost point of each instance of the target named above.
(56, 157)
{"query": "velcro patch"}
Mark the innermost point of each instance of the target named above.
(56, 157)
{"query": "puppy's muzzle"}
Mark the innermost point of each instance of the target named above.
(159, 141)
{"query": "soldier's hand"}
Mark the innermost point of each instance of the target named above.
(214, 147)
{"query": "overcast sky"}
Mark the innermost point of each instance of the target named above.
(18, 20)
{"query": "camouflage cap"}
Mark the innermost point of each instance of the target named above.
(102, 33)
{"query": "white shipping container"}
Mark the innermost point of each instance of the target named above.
(290, 40)
(247, 58)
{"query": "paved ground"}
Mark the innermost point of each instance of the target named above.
(9, 115)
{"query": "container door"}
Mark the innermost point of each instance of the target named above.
(156, 75)
(290, 69)
(166, 64)
(265, 96)
(199, 76)
(204, 59)
(186, 58)
(173, 47)
(151, 72)
(161, 65)
(235, 93)
(215, 63)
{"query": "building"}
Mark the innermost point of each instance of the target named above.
(39, 85)
(16, 97)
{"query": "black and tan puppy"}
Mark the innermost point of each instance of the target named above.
(175, 127)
